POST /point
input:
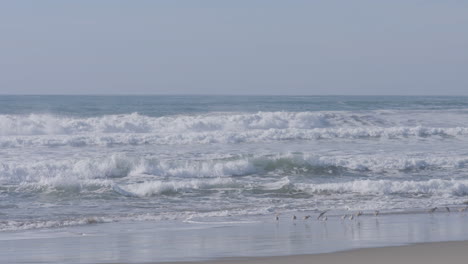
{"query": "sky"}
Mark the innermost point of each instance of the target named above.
(269, 47)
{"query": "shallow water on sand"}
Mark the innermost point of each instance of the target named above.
(181, 241)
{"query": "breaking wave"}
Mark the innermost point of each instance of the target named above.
(388, 187)
(169, 187)
(136, 129)
(91, 174)
(199, 166)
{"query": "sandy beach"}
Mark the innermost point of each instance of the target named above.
(427, 253)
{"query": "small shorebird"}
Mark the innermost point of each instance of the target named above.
(432, 210)
(359, 213)
(447, 208)
(321, 214)
(277, 217)
(376, 212)
(306, 217)
(462, 209)
(294, 217)
(344, 217)
(351, 217)
(325, 218)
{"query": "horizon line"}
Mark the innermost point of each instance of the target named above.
(188, 94)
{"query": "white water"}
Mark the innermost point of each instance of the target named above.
(135, 129)
(132, 167)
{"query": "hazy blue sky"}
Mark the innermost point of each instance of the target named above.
(234, 47)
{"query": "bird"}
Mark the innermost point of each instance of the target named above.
(376, 212)
(344, 217)
(462, 209)
(351, 217)
(432, 210)
(447, 208)
(359, 213)
(321, 214)
(306, 217)
(277, 217)
(294, 217)
(325, 218)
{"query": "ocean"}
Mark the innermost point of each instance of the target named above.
(84, 160)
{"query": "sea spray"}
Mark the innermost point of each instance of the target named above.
(68, 161)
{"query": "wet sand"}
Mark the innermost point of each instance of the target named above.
(425, 253)
(366, 239)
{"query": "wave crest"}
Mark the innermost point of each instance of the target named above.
(103, 171)
(388, 187)
(136, 129)
(171, 187)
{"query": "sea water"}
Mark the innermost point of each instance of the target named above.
(69, 161)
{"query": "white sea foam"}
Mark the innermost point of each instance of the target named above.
(135, 129)
(114, 166)
(387, 187)
(102, 171)
(84, 170)
(13, 225)
(307, 162)
(194, 169)
(228, 136)
(185, 216)
(167, 187)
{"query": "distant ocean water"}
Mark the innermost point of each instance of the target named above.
(74, 160)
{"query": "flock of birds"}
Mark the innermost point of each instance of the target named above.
(461, 210)
(322, 215)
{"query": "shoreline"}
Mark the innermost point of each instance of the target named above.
(262, 241)
(427, 253)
